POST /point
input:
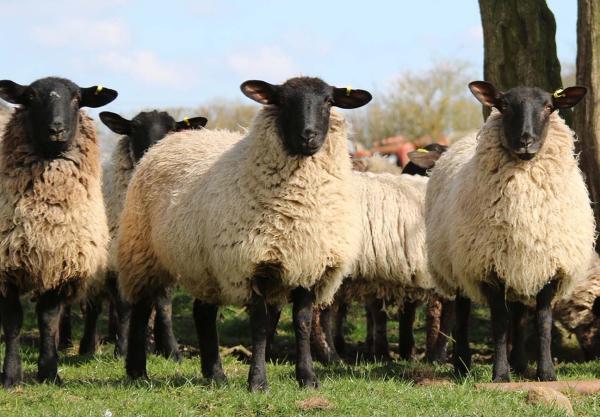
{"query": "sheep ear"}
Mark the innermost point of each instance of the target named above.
(12, 92)
(424, 158)
(570, 96)
(486, 93)
(260, 91)
(191, 123)
(348, 98)
(116, 123)
(96, 96)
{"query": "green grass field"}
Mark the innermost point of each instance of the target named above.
(95, 385)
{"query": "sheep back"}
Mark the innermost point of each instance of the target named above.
(53, 227)
(528, 221)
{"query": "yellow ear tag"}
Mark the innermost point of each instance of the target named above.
(348, 90)
(559, 93)
(187, 121)
(422, 150)
(98, 89)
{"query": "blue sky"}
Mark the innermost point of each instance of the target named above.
(184, 52)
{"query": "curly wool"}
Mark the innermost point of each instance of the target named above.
(217, 209)
(376, 165)
(53, 227)
(529, 221)
(117, 173)
(392, 260)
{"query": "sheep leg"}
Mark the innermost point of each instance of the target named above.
(166, 343)
(518, 354)
(318, 340)
(93, 308)
(303, 301)
(274, 312)
(205, 319)
(380, 342)
(462, 351)
(48, 309)
(327, 326)
(123, 318)
(438, 352)
(259, 323)
(500, 323)
(135, 361)
(545, 367)
(370, 331)
(406, 337)
(65, 339)
(113, 316)
(340, 317)
(433, 317)
(11, 313)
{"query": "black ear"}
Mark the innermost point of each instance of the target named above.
(12, 92)
(347, 98)
(191, 123)
(116, 123)
(424, 158)
(570, 96)
(486, 93)
(96, 96)
(260, 91)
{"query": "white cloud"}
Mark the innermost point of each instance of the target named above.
(81, 33)
(146, 66)
(265, 62)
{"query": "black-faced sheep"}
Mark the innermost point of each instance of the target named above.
(139, 134)
(245, 221)
(509, 217)
(53, 229)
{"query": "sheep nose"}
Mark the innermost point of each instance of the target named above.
(56, 128)
(527, 139)
(309, 136)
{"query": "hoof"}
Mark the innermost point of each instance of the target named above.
(258, 385)
(501, 378)
(137, 374)
(86, 349)
(49, 378)
(309, 382)
(175, 356)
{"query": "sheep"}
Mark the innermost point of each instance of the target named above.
(509, 218)
(53, 228)
(245, 221)
(140, 133)
(392, 265)
(580, 313)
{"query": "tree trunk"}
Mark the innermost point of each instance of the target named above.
(519, 45)
(587, 113)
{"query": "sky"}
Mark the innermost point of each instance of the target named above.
(186, 53)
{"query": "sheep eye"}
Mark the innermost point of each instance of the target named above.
(549, 107)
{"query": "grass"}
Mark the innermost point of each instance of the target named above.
(95, 386)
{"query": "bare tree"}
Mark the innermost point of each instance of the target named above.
(519, 45)
(587, 113)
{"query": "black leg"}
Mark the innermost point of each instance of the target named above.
(65, 339)
(499, 318)
(303, 300)
(93, 308)
(12, 320)
(205, 318)
(370, 331)
(166, 343)
(406, 337)
(462, 351)
(340, 317)
(257, 377)
(518, 354)
(135, 361)
(124, 318)
(380, 343)
(327, 326)
(48, 310)
(545, 369)
(274, 312)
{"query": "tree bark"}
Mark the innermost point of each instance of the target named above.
(519, 45)
(587, 113)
